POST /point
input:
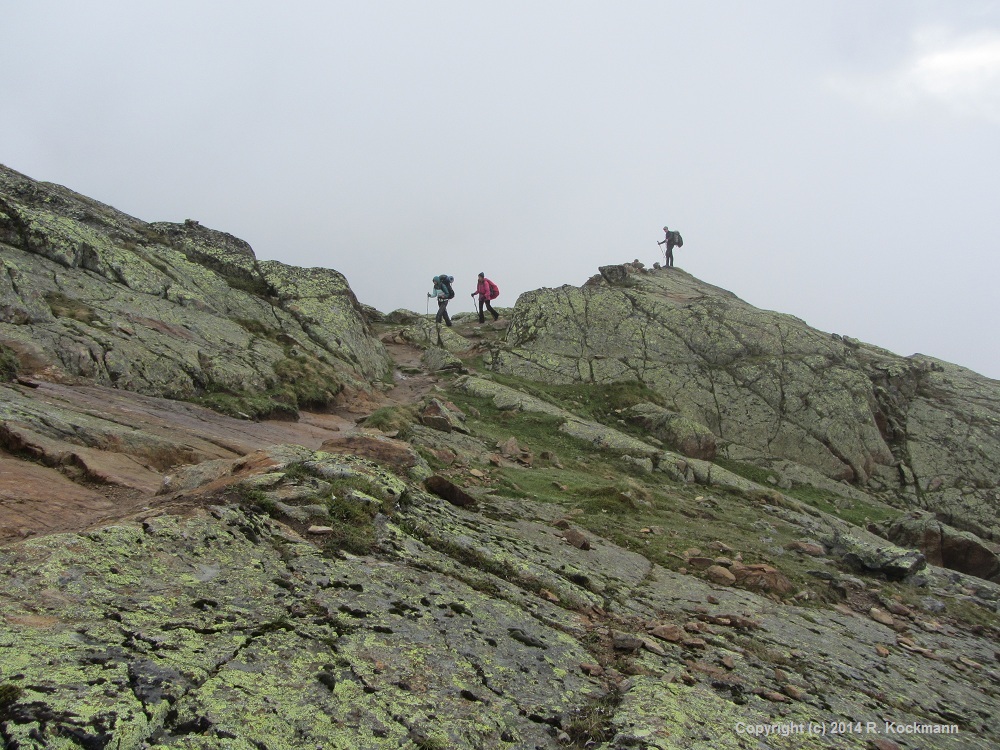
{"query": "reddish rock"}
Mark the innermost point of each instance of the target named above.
(394, 454)
(806, 548)
(879, 615)
(720, 575)
(671, 633)
(577, 539)
(762, 578)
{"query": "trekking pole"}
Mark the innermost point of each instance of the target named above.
(427, 306)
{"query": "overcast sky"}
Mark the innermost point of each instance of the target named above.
(837, 160)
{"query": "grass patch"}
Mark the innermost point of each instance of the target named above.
(591, 724)
(757, 474)
(857, 512)
(393, 419)
(354, 504)
(601, 402)
(68, 307)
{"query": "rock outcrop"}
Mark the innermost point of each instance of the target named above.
(176, 310)
(770, 388)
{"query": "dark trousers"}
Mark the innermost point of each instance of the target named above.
(670, 254)
(486, 302)
(442, 313)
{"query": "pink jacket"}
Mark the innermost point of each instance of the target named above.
(483, 289)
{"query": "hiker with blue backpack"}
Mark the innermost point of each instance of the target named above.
(444, 291)
(487, 291)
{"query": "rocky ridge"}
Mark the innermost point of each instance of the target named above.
(771, 390)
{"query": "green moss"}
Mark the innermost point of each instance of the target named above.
(300, 383)
(309, 382)
(9, 364)
(248, 405)
(9, 695)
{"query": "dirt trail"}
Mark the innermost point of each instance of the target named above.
(51, 495)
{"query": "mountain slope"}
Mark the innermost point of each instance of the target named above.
(532, 535)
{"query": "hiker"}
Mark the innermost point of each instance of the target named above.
(670, 241)
(444, 292)
(487, 291)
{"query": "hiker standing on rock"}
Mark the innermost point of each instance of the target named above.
(487, 291)
(670, 241)
(444, 292)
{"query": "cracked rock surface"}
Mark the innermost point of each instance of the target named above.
(772, 389)
(464, 628)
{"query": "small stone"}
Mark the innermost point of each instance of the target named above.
(881, 616)
(626, 641)
(594, 670)
(719, 546)
(700, 563)
(899, 609)
(671, 633)
(773, 696)
(653, 646)
(320, 529)
(694, 643)
(720, 575)
(728, 662)
(882, 651)
(793, 692)
(477, 473)
(806, 548)
(577, 539)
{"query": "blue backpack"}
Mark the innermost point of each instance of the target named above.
(446, 281)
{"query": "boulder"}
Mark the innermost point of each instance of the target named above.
(448, 490)
(866, 553)
(944, 545)
(443, 415)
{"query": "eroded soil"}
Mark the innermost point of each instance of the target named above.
(52, 481)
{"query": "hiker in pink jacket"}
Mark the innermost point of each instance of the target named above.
(486, 290)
